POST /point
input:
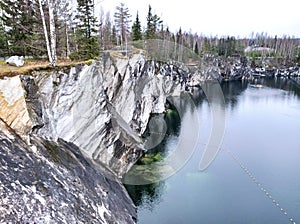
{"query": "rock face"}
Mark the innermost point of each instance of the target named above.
(104, 108)
(51, 182)
(13, 105)
(240, 68)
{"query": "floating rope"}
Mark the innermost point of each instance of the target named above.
(259, 185)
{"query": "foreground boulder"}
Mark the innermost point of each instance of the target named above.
(15, 61)
(52, 182)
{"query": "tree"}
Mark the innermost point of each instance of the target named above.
(196, 49)
(179, 41)
(64, 22)
(53, 59)
(179, 36)
(153, 22)
(87, 40)
(226, 46)
(167, 34)
(136, 33)
(107, 37)
(19, 18)
(114, 38)
(101, 28)
(3, 41)
(45, 30)
(50, 44)
(122, 20)
(106, 32)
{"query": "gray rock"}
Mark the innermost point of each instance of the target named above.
(105, 108)
(52, 182)
(15, 61)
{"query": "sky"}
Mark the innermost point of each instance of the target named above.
(218, 17)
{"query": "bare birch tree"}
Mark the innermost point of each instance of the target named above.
(45, 30)
(52, 33)
(51, 45)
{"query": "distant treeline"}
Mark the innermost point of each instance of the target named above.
(82, 33)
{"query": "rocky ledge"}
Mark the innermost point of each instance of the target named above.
(242, 68)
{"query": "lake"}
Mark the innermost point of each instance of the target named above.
(255, 177)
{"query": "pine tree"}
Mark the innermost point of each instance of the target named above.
(168, 34)
(179, 36)
(150, 31)
(122, 20)
(161, 34)
(136, 33)
(196, 49)
(2, 36)
(87, 40)
(114, 38)
(153, 22)
(3, 42)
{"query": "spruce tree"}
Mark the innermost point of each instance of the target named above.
(19, 17)
(87, 40)
(153, 22)
(114, 38)
(3, 42)
(179, 36)
(136, 33)
(196, 49)
(150, 31)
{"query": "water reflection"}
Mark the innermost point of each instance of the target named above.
(149, 195)
(150, 168)
(262, 133)
(232, 90)
(292, 85)
(146, 196)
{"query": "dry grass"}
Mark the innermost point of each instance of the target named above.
(30, 66)
(117, 55)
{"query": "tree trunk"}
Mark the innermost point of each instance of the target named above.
(52, 33)
(45, 31)
(67, 41)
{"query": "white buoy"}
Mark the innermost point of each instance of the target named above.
(259, 185)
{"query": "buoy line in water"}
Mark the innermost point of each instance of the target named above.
(259, 185)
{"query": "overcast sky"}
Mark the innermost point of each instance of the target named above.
(219, 17)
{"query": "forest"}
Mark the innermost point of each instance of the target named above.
(55, 29)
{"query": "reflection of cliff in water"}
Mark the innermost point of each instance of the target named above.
(152, 197)
(232, 90)
(292, 85)
(146, 195)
